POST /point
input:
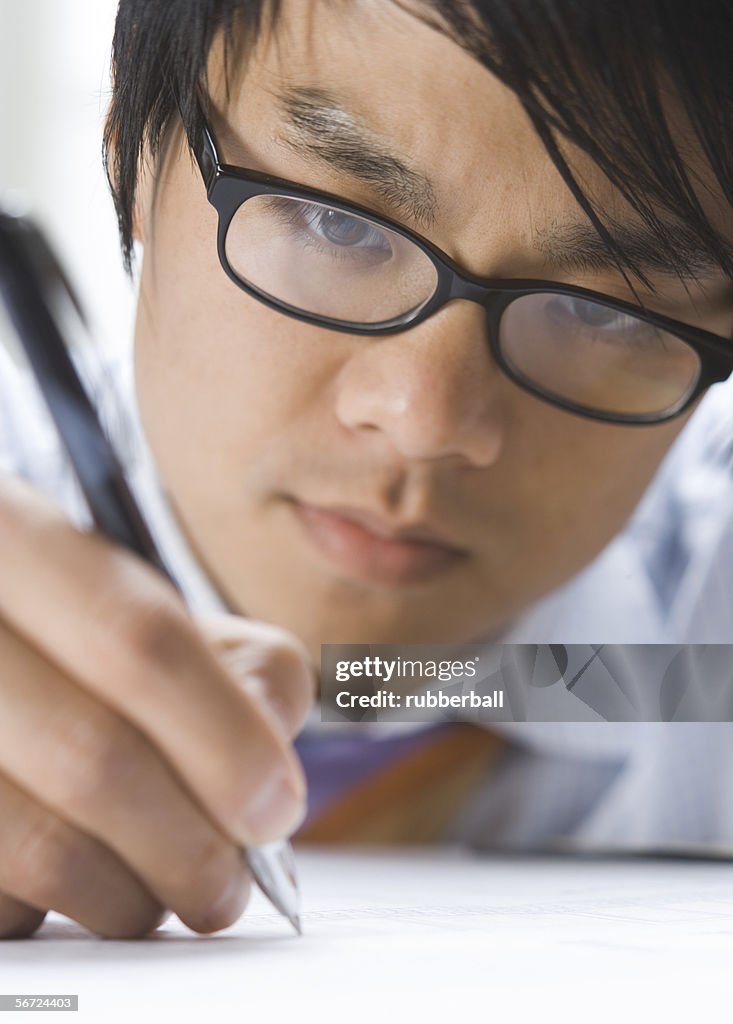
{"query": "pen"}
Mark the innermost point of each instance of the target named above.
(32, 284)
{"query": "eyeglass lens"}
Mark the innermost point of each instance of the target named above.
(596, 356)
(333, 264)
(326, 261)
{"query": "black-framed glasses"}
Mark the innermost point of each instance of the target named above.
(330, 262)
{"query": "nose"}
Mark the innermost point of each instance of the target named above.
(432, 391)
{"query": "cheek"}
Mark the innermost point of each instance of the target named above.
(564, 489)
(581, 478)
(226, 398)
(219, 376)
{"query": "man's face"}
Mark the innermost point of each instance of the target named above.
(297, 456)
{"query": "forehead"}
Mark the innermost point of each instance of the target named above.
(378, 67)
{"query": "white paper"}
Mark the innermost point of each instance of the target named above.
(420, 936)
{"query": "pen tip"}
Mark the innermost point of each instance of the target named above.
(295, 921)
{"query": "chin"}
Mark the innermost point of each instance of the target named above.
(348, 626)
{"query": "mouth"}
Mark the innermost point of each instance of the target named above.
(367, 547)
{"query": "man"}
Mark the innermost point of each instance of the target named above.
(348, 458)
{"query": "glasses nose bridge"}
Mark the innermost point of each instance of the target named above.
(463, 287)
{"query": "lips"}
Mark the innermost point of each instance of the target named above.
(365, 546)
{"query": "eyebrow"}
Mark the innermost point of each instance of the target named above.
(318, 126)
(569, 247)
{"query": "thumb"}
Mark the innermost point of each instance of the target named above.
(268, 663)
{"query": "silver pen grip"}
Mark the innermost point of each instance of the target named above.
(273, 868)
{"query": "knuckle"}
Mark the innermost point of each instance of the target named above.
(285, 659)
(272, 666)
(152, 633)
(44, 861)
(292, 684)
(18, 920)
(99, 757)
(21, 929)
(47, 863)
(134, 926)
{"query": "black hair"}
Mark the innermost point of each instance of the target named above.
(598, 74)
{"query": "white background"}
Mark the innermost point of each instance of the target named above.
(54, 88)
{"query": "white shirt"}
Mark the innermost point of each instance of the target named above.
(665, 579)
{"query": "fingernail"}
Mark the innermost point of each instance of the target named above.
(276, 811)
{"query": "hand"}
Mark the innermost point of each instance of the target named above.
(136, 755)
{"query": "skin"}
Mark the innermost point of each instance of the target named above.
(138, 749)
(114, 809)
(418, 427)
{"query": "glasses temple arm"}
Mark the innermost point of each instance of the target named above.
(203, 146)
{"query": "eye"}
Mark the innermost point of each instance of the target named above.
(345, 231)
(599, 321)
(341, 229)
(593, 314)
(582, 319)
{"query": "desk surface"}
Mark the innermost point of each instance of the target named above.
(442, 934)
